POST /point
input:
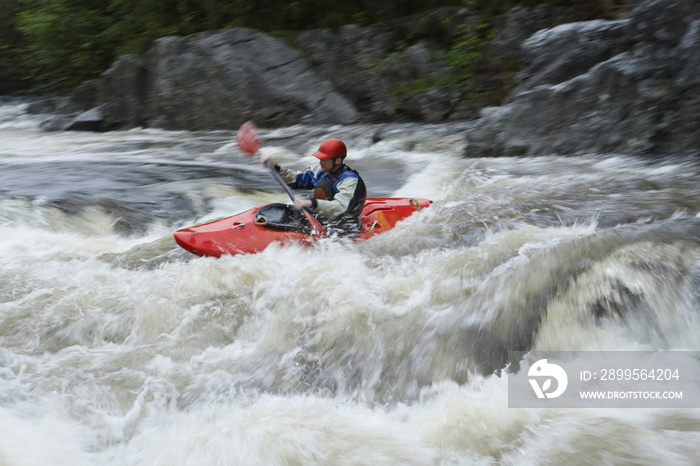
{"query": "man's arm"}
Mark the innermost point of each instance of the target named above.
(298, 179)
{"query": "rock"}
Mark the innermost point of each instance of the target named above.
(433, 105)
(123, 93)
(558, 54)
(351, 60)
(56, 123)
(92, 120)
(386, 70)
(662, 21)
(46, 106)
(520, 23)
(83, 98)
(220, 80)
(66, 110)
(396, 71)
(629, 86)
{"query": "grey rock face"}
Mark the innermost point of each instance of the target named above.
(382, 73)
(221, 80)
(122, 92)
(604, 86)
(630, 85)
(208, 81)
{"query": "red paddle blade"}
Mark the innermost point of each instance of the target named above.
(247, 138)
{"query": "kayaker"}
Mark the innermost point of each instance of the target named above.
(338, 191)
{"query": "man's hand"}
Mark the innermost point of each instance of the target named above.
(301, 204)
(266, 159)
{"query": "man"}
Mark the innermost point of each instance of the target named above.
(338, 191)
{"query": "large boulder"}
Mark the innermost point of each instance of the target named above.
(604, 86)
(220, 80)
(123, 93)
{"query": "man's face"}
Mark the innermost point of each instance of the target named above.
(329, 164)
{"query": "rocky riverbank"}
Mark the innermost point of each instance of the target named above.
(628, 85)
(444, 66)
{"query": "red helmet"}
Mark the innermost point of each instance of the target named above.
(331, 148)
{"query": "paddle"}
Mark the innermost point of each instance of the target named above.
(247, 139)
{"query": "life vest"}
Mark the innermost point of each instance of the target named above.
(326, 187)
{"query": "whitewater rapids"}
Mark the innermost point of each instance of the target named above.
(119, 348)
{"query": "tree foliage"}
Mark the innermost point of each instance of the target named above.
(50, 46)
(62, 41)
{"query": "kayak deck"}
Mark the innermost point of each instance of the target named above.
(241, 234)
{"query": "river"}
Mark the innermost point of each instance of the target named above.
(119, 348)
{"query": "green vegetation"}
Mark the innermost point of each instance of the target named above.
(469, 47)
(467, 59)
(50, 46)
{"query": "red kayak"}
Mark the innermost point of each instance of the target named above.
(253, 230)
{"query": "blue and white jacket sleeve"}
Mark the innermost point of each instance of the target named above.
(298, 179)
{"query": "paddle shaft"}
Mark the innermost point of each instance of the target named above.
(276, 176)
(316, 227)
